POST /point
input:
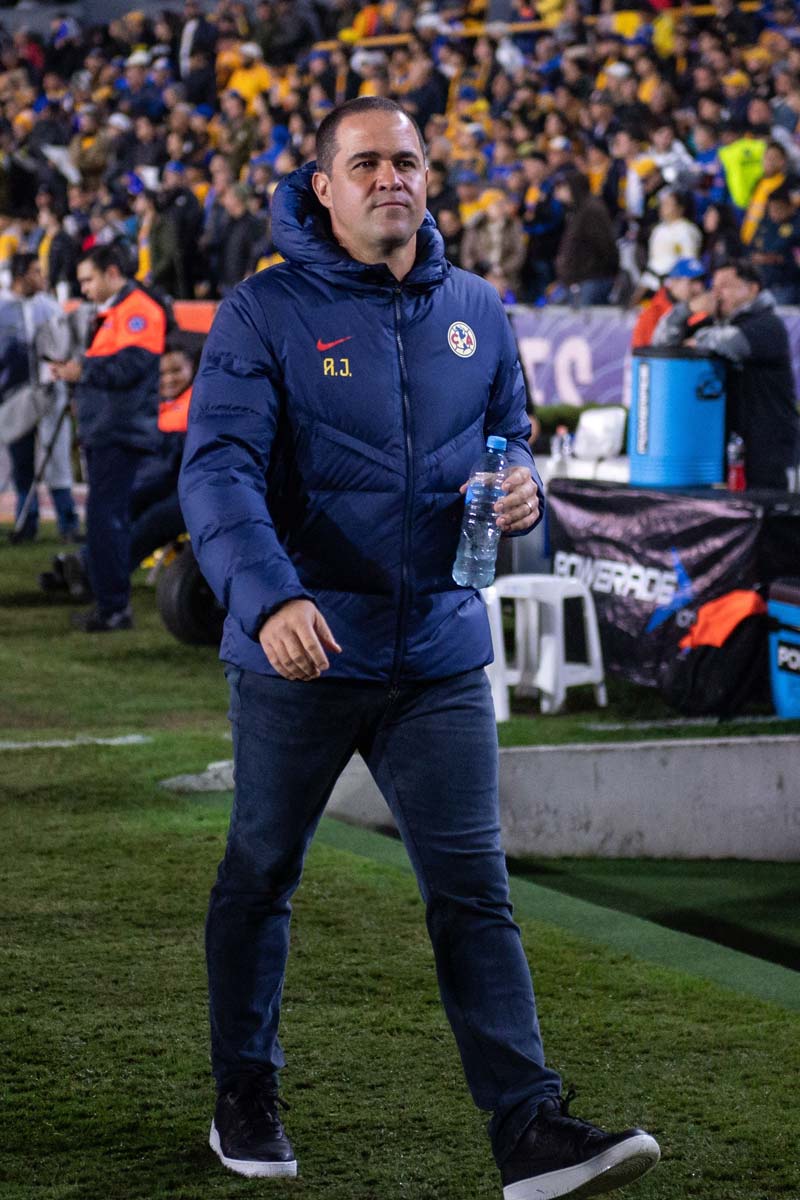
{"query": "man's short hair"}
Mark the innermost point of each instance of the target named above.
(21, 263)
(744, 270)
(326, 134)
(105, 257)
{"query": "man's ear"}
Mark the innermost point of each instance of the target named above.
(322, 188)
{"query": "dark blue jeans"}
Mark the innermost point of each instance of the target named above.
(111, 471)
(432, 749)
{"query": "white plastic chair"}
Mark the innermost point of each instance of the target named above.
(539, 663)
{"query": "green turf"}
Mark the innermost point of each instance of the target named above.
(102, 995)
(617, 928)
(105, 1084)
(749, 906)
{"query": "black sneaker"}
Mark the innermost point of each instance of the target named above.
(560, 1155)
(94, 621)
(247, 1134)
(75, 578)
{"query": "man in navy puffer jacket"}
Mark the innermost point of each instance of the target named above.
(341, 400)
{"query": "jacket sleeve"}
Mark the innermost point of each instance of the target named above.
(506, 416)
(223, 491)
(117, 372)
(672, 329)
(726, 340)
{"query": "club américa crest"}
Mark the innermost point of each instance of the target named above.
(461, 339)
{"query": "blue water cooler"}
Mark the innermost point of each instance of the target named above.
(676, 425)
(783, 609)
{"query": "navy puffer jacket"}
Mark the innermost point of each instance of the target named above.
(335, 415)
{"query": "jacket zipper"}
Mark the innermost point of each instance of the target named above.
(405, 587)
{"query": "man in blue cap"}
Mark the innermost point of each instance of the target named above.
(686, 280)
(686, 283)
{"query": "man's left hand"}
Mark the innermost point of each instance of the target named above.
(519, 508)
(67, 372)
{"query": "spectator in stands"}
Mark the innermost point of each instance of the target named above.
(670, 155)
(240, 236)
(117, 396)
(90, 148)
(751, 337)
(721, 241)
(588, 260)
(159, 255)
(452, 232)
(481, 101)
(198, 37)
(776, 175)
(440, 193)
(58, 255)
(495, 241)
(708, 178)
(775, 248)
(181, 208)
(673, 237)
(742, 161)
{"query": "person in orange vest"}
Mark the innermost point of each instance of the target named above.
(155, 510)
(116, 396)
(685, 281)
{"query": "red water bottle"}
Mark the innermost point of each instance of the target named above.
(735, 455)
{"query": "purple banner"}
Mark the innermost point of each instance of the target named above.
(580, 356)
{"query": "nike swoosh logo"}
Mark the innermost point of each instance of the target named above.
(329, 345)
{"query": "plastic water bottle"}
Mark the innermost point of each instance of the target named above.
(561, 450)
(735, 456)
(477, 547)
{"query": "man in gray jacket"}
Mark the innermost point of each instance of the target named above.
(32, 420)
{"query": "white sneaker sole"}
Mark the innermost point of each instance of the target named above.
(254, 1168)
(612, 1169)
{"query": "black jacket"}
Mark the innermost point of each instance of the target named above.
(588, 247)
(236, 252)
(117, 394)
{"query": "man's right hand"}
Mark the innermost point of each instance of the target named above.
(295, 639)
(706, 302)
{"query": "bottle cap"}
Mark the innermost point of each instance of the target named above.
(496, 443)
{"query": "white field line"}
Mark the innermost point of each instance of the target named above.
(129, 739)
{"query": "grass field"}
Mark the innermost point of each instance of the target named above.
(102, 1002)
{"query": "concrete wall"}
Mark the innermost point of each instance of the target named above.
(730, 798)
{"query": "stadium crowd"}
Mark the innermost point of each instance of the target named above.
(575, 157)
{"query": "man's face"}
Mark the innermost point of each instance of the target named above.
(774, 163)
(175, 375)
(32, 281)
(732, 292)
(97, 286)
(376, 190)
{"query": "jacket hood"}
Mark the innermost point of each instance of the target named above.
(301, 232)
